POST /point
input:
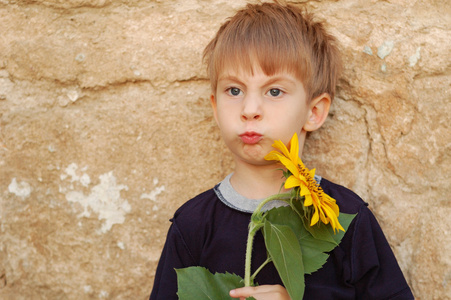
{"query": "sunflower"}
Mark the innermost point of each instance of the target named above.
(302, 179)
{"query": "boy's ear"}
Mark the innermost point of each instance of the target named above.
(318, 111)
(214, 106)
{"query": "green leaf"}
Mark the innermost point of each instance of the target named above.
(199, 283)
(313, 249)
(345, 220)
(285, 251)
(313, 255)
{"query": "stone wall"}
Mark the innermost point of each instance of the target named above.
(105, 129)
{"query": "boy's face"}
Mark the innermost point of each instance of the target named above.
(253, 110)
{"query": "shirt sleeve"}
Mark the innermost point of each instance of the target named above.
(375, 271)
(175, 255)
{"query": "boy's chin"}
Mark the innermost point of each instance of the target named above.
(257, 161)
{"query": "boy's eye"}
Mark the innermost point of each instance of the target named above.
(275, 92)
(234, 91)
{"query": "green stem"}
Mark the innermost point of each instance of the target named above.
(247, 264)
(271, 198)
(254, 226)
(267, 261)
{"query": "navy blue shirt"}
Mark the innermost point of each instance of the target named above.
(206, 232)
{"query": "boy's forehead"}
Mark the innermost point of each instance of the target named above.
(239, 65)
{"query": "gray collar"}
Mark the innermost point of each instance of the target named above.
(230, 197)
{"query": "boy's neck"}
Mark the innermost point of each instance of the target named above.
(257, 182)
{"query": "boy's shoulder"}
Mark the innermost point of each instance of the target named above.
(200, 212)
(200, 204)
(204, 218)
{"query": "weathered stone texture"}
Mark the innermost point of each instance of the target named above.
(105, 129)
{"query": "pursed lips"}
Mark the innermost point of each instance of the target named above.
(250, 137)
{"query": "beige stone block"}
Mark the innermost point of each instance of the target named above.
(106, 128)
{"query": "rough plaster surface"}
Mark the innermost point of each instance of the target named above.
(105, 129)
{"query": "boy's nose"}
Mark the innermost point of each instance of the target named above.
(251, 108)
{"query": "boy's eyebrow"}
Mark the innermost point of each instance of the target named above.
(276, 78)
(230, 78)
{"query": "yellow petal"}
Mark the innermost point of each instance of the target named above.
(289, 165)
(304, 190)
(281, 146)
(329, 201)
(294, 148)
(339, 227)
(273, 155)
(328, 210)
(315, 199)
(323, 216)
(315, 218)
(308, 200)
(301, 163)
(291, 182)
(333, 218)
(335, 209)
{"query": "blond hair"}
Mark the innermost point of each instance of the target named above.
(279, 38)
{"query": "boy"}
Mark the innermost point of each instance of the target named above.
(273, 72)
